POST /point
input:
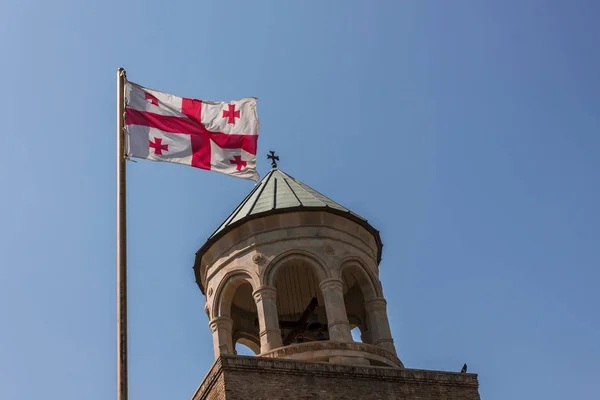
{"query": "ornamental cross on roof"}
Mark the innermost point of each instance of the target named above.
(273, 159)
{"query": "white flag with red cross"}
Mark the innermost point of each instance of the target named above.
(220, 137)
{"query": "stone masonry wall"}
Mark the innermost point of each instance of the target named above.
(237, 378)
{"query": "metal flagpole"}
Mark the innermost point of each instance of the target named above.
(121, 242)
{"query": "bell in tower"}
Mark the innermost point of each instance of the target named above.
(290, 274)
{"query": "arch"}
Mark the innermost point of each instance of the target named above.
(368, 282)
(318, 266)
(297, 275)
(249, 341)
(226, 290)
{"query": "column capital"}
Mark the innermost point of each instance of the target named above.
(221, 323)
(375, 304)
(331, 284)
(265, 292)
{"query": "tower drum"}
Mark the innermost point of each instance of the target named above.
(292, 274)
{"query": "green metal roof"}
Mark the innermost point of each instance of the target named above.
(279, 193)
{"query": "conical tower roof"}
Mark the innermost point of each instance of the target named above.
(279, 193)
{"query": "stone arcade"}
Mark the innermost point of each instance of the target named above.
(289, 274)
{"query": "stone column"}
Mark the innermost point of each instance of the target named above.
(365, 335)
(268, 320)
(337, 320)
(378, 324)
(222, 338)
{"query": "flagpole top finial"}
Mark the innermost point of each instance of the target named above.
(273, 159)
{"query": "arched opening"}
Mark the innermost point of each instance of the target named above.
(245, 329)
(356, 334)
(300, 305)
(246, 347)
(354, 280)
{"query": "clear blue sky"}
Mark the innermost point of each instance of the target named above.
(467, 132)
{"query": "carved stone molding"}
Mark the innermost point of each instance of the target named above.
(376, 304)
(221, 323)
(257, 258)
(265, 292)
(331, 284)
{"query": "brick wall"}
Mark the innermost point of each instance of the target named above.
(213, 385)
(238, 377)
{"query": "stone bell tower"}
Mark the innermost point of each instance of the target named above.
(289, 274)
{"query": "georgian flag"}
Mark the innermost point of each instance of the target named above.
(219, 137)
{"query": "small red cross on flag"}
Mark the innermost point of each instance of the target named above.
(150, 98)
(217, 136)
(158, 146)
(231, 114)
(237, 160)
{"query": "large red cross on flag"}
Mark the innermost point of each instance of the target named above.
(210, 135)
